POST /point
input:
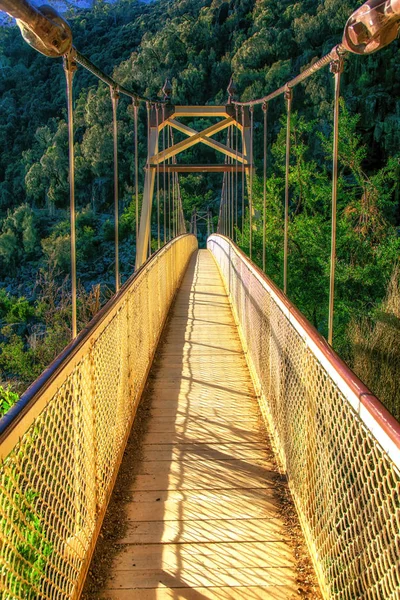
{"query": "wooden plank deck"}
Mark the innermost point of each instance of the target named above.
(202, 518)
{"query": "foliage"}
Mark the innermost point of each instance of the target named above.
(7, 399)
(33, 333)
(367, 240)
(199, 45)
(33, 549)
(375, 347)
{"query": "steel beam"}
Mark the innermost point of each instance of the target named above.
(207, 141)
(191, 141)
(145, 216)
(201, 111)
(219, 168)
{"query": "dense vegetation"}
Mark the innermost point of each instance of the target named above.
(198, 45)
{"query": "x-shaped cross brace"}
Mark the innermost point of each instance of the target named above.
(195, 137)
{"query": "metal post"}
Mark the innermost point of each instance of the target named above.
(336, 69)
(164, 180)
(237, 173)
(265, 110)
(288, 98)
(148, 191)
(228, 189)
(173, 206)
(148, 109)
(70, 67)
(244, 151)
(157, 109)
(232, 176)
(114, 100)
(170, 235)
(251, 108)
(135, 116)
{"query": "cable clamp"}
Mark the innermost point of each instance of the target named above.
(288, 93)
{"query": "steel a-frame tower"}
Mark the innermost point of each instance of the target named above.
(170, 117)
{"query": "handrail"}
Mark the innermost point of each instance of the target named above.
(336, 443)
(62, 444)
(70, 354)
(46, 31)
(334, 55)
(385, 421)
(371, 27)
(91, 67)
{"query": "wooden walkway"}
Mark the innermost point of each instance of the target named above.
(202, 520)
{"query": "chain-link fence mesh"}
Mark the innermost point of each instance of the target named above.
(344, 481)
(60, 460)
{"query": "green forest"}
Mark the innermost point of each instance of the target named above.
(199, 45)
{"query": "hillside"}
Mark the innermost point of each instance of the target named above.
(199, 45)
(61, 6)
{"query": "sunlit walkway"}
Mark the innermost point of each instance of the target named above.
(202, 516)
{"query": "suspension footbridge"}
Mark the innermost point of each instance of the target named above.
(201, 509)
(241, 391)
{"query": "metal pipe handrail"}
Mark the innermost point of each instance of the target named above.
(366, 398)
(28, 399)
(333, 55)
(89, 66)
(46, 31)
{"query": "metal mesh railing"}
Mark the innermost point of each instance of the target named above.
(336, 442)
(62, 444)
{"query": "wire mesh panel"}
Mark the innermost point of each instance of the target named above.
(336, 442)
(62, 447)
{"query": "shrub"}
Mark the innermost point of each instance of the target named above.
(7, 399)
(376, 350)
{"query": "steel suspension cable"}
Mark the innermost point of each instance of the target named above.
(178, 207)
(164, 181)
(169, 188)
(173, 204)
(173, 190)
(336, 68)
(288, 98)
(228, 190)
(219, 216)
(265, 111)
(114, 100)
(236, 173)
(317, 66)
(89, 66)
(243, 148)
(225, 195)
(182, 216)
(232, 177)
(136, 122)
(222, 206)
(70, 69)
(148, 109)
(251, 181)
(157, 108)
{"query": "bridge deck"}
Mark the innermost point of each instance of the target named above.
(201, 515)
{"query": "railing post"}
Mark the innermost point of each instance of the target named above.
(336, 69)
(70, 68)
(114, 100)
(288, 98)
